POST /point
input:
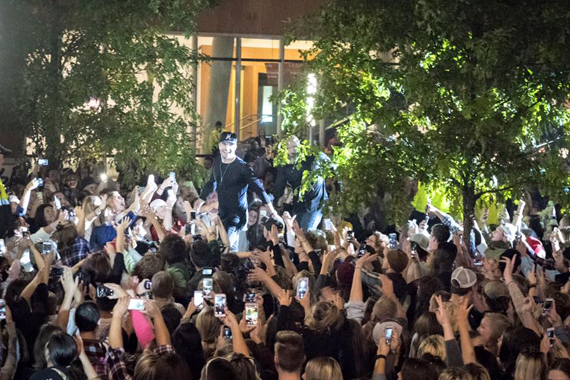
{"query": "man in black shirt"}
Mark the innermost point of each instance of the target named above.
(308, 207)
(231, 177)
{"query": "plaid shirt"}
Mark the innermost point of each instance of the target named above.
(116, 366)
(75, 252)
(96, 352)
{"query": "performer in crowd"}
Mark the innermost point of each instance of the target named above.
(231, 177)
(309, 206)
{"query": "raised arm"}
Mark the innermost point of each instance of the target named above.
(69, 286)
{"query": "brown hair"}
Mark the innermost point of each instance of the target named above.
(208, 325)
(150, 264)
(162, 285)
(323, 367)
(324, 316)
(289, 351)
(154, 366)
(97, 267)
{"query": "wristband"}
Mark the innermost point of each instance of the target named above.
(380, 357)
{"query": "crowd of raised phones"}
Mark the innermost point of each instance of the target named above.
(99, 282)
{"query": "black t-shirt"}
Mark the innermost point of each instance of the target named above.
(231, 181)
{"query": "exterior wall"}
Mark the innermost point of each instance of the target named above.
(254, 17)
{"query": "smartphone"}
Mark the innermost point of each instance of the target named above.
(57, 203)
(40, 182)
(25, 232)
(172, 176)
(362, 250)
(207, 272)
(198, 299)
(550, 333)
(350, 235)
(46, 247)
(302, 287)
(103, 177)
(389, 332)
(249, 297)
(263, 213)
(227, 333)
(103, 291)
(393, 240)
(328, 224)
(148, 285)
(220, 305)
(2, 309)
(547, 305)
(2, 247)
(251, 314)
(207, 286)
(43, 162)
(136, 304)
(426, 219)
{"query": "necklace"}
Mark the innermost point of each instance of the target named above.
(224, 173)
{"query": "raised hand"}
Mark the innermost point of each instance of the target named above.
(285, 298)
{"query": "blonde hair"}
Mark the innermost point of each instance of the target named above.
(91, 203)
(384, 308)
(530, 365)
(434, 345)
(323, 368)
(324, 315)
(499, 323)
(208, 325)
(455, 373)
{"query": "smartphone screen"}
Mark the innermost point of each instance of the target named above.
(227, 333)
(57, 203)
(249, 297)
(302, 287)
(207, 285)
(43, 162)
(2, 309)
(220, 305)
(388, 334)
(547, 304)
(393, 241)
(148, 285)
(251, 314)
(46, 247)
(136, 304)
(198, 298)
(207, 271)
(173, 175)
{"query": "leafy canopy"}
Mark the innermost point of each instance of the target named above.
(458, 95)
(118, 52)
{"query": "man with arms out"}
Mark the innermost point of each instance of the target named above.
(308, 207)
(231, 177)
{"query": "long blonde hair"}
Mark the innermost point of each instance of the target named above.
(323, 368)
(530, 365)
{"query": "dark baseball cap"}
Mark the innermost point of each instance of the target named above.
(228, 137)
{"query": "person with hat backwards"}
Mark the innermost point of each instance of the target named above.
(231, 177)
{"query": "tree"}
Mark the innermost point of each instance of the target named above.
(116, 55)
(458, 95)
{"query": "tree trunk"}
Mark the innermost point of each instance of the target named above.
(469, 200)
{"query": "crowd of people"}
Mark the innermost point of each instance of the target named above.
(244, 278)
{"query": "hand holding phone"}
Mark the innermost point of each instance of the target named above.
(220, 305)
(302, 287)
(251, 314)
